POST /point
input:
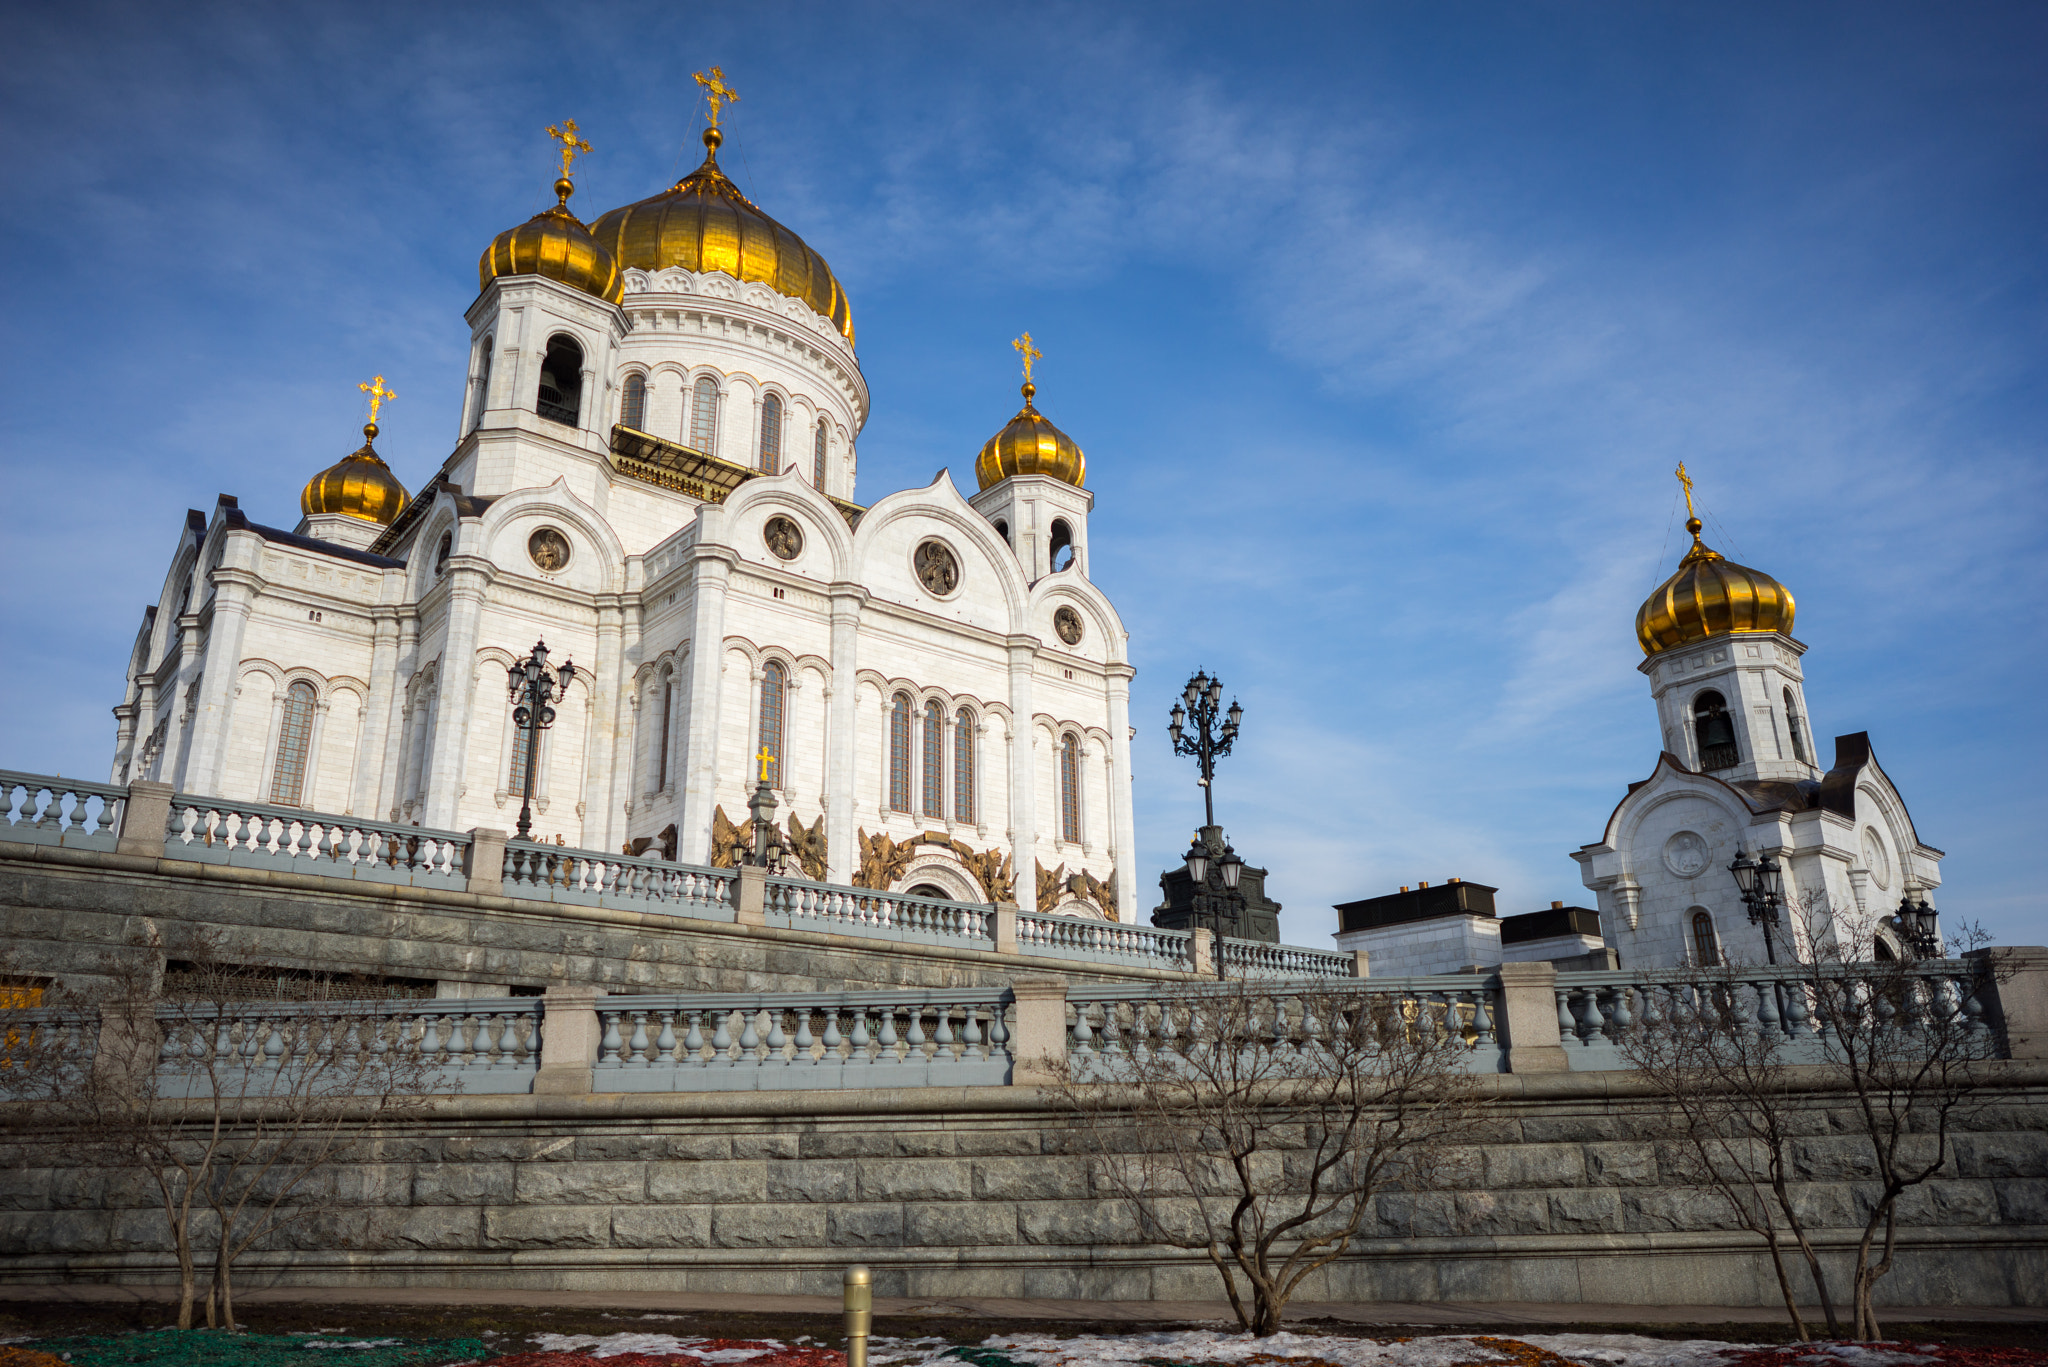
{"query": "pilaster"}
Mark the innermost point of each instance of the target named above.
(1023, 772)
(841, 733)
(713, 566)
(235, 591)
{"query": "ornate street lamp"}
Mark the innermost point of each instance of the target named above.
(534, 686)
(1919, 926)
(1220, 901)
(1762, 883)
(1213, 865)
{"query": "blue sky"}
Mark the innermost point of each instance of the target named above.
(1383, 326)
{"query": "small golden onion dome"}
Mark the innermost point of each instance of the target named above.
(554, 243)
(1030, 445)
(704, 223)
(1711, 596)
(360, 485)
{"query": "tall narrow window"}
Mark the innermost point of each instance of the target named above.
(818, 439)
(963, 766)
(1797, 726)
(1070, 790)
(899, 754)
(1062, 545)
(774, 688)
(294, 734)
(704, 417)
(771, 434)
(1714, 729)
(1706, 949)
(561, 381)
(522, 752)
(483, 388)
(934, 768)
(668, 707)
(633, 403)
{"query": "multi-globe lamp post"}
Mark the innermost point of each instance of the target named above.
(534, 687)
(1762, 884)
(1213, 865)
(1919, 925)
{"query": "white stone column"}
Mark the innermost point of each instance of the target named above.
(376, 716)
(1123, 836)
(1023, 773)
(611, 771)
(390, 791)
(267, 770)
(234, 597)
(450, 742)
(842, 769)
(707, 666)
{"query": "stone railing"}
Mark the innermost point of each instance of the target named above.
(37, 809)
(1072, 937)
(209, 830)
(552, 873)
(1256, 959)
(45, 1051)
(1780, 1003)
(691, 1042)
(313, 1049)
(800, 905)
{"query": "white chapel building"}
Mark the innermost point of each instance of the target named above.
(655, 474)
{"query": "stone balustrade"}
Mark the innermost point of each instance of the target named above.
(208, 830)
(37, 809)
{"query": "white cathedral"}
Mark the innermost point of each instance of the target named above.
(655, 474)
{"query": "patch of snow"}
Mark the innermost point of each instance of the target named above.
(611, 1345)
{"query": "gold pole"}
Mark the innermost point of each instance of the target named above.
(860, 1314)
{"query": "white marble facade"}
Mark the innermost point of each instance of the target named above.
(673, 608)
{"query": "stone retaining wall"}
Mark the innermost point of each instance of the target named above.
(1564, 1198)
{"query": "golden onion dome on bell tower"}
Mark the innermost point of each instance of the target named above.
(1710, 595)
(554, 243)
(1029, 444)
(360, 484)
(703, 223)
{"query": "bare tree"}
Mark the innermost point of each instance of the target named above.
(226, 1101)
(1730, 1101)
(1257, 1122)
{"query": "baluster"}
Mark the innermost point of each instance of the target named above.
(833, 1039)
(721, 1041)
(1767, 1018)
(944, 1038)
(750, 1036)
(608, 1048)
(693, 1040)
(636, 1052)
(1623, 1018)
(1083, 1043)
(1482, 1019)
(916, 1041)
(1798, 1019)
(665, 1043)
(1567, 1023)
(887, 1053)
(804, 1038)
(858, 1051)
(970, 1034)
(1973, 1009)
(998, 1029)
(433, 1048)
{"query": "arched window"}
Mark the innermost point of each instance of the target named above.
(899, 754)
(818, 457)
(1003, 529)
(771, 434)
(1070, 790)
(774, 689)
(668, 707)
(1706, 950)
(561, 381)
(1062, 545)
(1882, 952)
(704, 417)
(933, 773)
(1714, 730)
(483, 388)
(522, 752)
(1797, 726)
(633, 403)
(963, 766)
(294, 734)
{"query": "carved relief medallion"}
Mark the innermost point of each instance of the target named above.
(937, 569)
(549, 549)
(1876, 859)
(785, 539)
(1067, 623)
(1685, 854)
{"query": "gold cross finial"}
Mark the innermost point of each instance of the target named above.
(717, 91)
(767, 757)
(1031, 353)
(379, 396)
(571, 144)
(1686, 480)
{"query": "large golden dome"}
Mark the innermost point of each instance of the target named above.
(705, 224)
(1030, 445)
(553, 243)
(360, 485)
(1711, 596)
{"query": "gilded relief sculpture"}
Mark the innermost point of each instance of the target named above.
(728, 842)
(807, 844)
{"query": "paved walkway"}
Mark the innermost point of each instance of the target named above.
(1135, 1313)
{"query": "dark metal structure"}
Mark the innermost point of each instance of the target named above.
(1215, 889)
(534, 687)
(1762, 882)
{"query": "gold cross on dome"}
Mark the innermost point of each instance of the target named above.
(1686, 480)
(717, 91)
(571, 144)
(1031, 353)
(379, 395)
(767, 757)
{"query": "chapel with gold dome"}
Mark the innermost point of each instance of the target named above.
(654, 471)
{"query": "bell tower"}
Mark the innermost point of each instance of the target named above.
(1724, 668)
